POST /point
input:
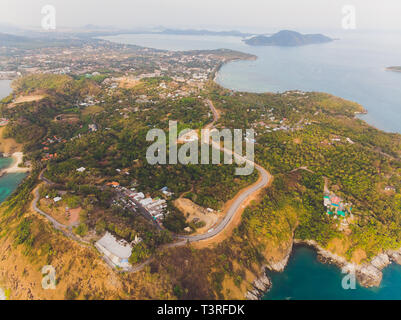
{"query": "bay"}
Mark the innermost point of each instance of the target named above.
(305, 278)
(8, 182)
(354, 68)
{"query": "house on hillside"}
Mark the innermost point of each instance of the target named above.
(335, 205)
(389, 188)
(92, 127)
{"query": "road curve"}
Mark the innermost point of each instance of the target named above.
(232, 211)
(235, 207)
(57, 225)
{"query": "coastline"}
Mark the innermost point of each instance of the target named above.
(368, 274)
(215, 73)
(15, 168)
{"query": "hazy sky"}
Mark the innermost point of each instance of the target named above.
(218, 14)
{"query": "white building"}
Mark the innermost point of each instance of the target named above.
(146, 201)
(93, 127)
(118, 252)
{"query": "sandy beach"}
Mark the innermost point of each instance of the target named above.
(14, 168)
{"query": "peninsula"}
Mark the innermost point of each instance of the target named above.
(92, 206)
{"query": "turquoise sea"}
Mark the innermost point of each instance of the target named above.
(305, 278)
(8, 182)
(352, 67)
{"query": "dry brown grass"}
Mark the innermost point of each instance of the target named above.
(358, 256)
(24, 99)
(127, 83)
(192, 211)
(338, 246)
(8, 145)
(79, 269)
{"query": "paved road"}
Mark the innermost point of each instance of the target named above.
(231, 212)
(234, 209)
(57, 225)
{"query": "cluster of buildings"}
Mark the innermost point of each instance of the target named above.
(134, 200)
(92, 127)
(54, 139)
(49, 156)
(49, 141)
(336, 206)
(86, 57)
(155, 207)
(272, 124)
(389, 189)
(89, 101)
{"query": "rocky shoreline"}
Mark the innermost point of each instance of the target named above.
(260, 286)
(368, 274)
(263, 284)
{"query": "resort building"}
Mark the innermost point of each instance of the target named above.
(116, 251)
(335, 205)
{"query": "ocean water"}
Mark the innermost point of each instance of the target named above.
(8, 182)
(5, 88)
(352, 67)
(307, 279)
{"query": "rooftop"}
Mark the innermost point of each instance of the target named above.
(118, 248)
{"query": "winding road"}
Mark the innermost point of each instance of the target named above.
(241, 198)
(57, 225)
(234, 209)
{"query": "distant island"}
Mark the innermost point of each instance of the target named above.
(394, 68)
(97, 31)
(194, 32)
(287, 38)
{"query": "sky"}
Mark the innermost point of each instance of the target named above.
(302, 15)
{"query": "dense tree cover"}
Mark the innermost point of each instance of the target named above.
(323, 137)
(313, 147)
(60, 84)
(119, 143)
